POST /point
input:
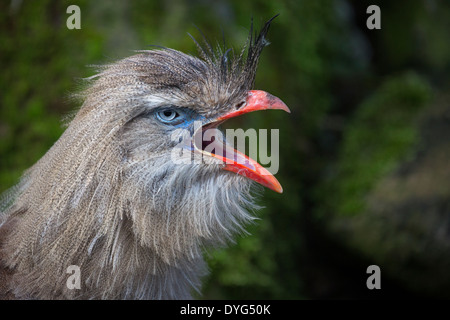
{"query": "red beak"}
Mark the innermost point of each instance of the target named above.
(238, 162)
(257, 100)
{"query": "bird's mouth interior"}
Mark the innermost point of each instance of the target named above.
(204, 144)
(210, 141)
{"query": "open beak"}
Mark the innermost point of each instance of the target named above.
(234, 160)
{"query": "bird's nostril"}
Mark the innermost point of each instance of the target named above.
(240, 105)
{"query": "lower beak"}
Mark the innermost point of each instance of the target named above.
(238, 162)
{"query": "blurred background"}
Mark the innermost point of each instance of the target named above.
(364, 154)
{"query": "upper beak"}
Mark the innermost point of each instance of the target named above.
(257, 100)
(238, 162)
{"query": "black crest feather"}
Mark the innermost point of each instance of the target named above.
(239, 69)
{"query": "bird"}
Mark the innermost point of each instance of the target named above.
(109, 196)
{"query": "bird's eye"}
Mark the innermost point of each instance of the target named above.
(168, 116)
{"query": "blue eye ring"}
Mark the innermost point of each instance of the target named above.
(169, 116)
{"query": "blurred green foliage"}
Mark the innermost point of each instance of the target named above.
(355, 96)
(380, 135)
